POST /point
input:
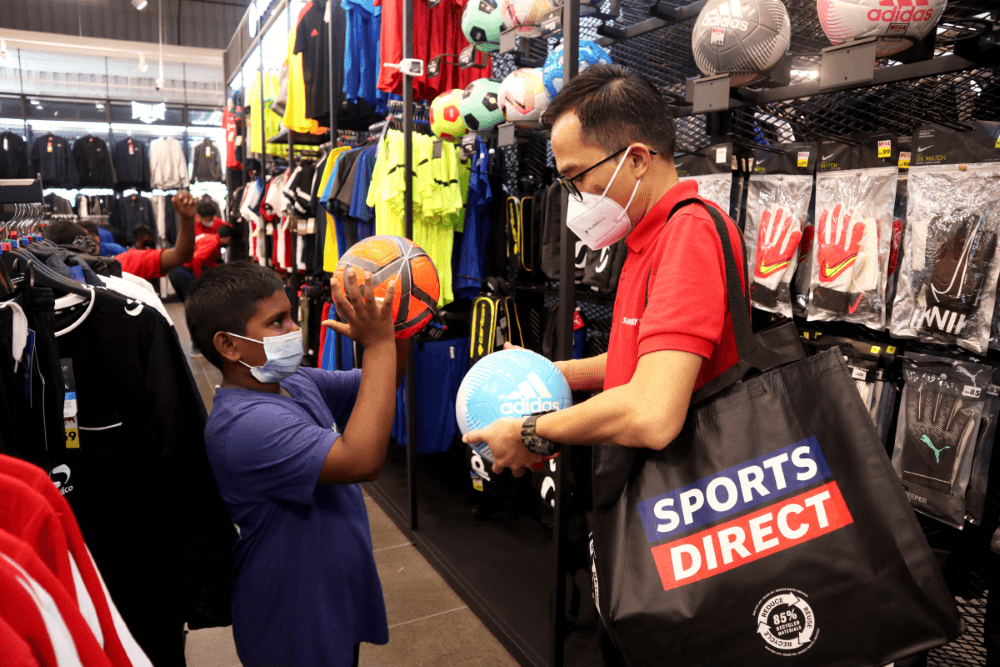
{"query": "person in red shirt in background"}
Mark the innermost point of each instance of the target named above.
(206, 221)
(156, 262)
(207, 254)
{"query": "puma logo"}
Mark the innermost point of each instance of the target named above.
(937, 452)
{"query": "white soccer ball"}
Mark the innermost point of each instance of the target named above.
(525, 15)
(523, 97)
(889, 20)
(742, 38)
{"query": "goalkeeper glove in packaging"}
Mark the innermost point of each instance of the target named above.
(855, 193)
(975, 495)
(947, 282)
(777, 204)
(712, 168)
(939, 415)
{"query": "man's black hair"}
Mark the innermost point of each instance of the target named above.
(90, 226)
(206, 208)
(141, 230)
(225, 231)
(63, 232)
(224, 299)
(615, 108)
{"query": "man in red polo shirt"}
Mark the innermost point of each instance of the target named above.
(155, 262)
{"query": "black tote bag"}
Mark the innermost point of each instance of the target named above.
(771, 531)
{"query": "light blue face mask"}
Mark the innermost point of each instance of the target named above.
(284, 356)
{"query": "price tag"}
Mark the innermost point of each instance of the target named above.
(70, 424)
(998, 143)
(718, 36)
(876, 349)
(994, 390)
(434, 66)
(720, 155)
(438, 144)
(885, 148)
(467, 56)
(131, 148)
(239, 140)
(904, 159)
(49, 148)
(551, 25)
(890, 349)
(971, 391)
(859, 373)
(803, 159)
(477, 481)
(311, 226)
(468, 145)
(506, 135)
(208, 151)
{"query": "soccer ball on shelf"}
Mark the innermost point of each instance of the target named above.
(480, 105)
(892, 21)
(526, 15)
(590, 54)
(446, 115)
(742, 38)
(523, 97)
(482, 24)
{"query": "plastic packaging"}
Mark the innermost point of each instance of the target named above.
(777, 206)
(712, 168)
(939, 415)
(855, 194)
(947, 283)
(975, 495)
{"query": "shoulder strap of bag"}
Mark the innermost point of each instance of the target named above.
(747, 347)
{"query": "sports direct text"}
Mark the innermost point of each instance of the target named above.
(791, 516)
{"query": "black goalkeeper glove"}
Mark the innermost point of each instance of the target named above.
(937, 430)
(958, 267)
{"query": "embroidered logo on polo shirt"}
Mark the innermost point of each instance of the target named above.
(631, 321)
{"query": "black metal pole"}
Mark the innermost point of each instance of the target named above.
(567, 306)
(263, 110)
(411, 366)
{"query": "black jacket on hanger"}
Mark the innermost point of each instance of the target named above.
(52, 158)
(131, 211)
(131, 162)
(14, 162)
(207, 163)
(93, 163)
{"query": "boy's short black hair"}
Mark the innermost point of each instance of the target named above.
(63, 232)
(224, 299)
(141, 230)
(90, 227)
(616, 107)
(225, 231)
(206, 208)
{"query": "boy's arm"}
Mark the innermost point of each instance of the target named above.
(359, 453)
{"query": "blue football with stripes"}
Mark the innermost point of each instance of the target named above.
(509, 383)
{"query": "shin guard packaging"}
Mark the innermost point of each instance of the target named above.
(712, 168)
(771, 531)
(937, 432)
(777, 204)
(947, 283)
(855, 193)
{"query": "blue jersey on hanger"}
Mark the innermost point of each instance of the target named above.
(472, 251)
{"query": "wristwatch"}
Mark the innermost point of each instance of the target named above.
(536, 444)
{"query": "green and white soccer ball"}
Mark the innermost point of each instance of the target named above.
(480, 105)
(482, 24)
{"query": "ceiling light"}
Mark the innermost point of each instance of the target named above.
(142, 62)
(100, 106)
(140, 4)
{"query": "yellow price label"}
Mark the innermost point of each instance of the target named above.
(477, 483)
(891, 349)
(904, 159)
(885, 149)
(998, 143)
(876, 349)
(803, 159)
(72, 436)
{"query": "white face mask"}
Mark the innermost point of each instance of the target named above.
(284, 356)
(598, 220)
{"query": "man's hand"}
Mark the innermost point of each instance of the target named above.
(185, 205)
(367, 321)
(504, 439)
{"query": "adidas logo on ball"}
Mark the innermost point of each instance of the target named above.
(726, 16)
(901, 11)
(531, 397)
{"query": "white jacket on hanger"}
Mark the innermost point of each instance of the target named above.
(167, 167)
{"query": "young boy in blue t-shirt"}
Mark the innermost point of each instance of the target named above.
(287, 449)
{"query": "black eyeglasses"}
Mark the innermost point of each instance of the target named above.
(569, 186)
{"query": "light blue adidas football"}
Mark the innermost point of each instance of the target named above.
(509, 383)
(591, 53)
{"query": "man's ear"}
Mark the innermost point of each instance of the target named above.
(225, 347)
(641, 159)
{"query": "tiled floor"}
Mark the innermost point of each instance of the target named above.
(429, 625)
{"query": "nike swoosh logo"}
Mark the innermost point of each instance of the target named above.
(766, 269)
(854, 308)
(921, 150)
(827, 157)
(134, 311)
(834, 271)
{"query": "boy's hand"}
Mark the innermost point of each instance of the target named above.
(367, 321)
(185, 204)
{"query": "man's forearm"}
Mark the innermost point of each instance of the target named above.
(585, 374)
(612, 417)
